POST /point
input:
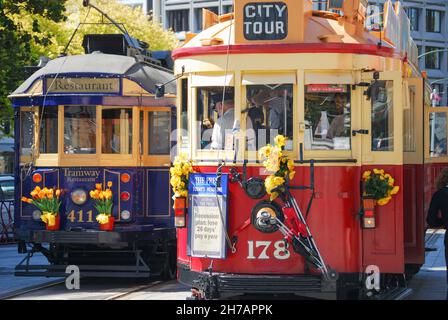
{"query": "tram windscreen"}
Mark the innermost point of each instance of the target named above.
(270, 111)
(159, 131)
(215, 118)
(116, 131)
(48, 134)
(382, 116)
(79, 129)
(327, 117)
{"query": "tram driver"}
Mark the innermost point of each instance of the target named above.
(225, 127)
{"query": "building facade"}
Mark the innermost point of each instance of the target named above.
(429, 25)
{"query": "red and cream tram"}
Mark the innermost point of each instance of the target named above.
(350, 104)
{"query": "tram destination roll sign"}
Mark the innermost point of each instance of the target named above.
(207, 216)
(265, 21)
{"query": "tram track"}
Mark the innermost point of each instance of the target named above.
(121, 294)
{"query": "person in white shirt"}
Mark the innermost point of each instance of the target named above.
(224, 129)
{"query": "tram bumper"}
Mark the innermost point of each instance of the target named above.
(216, 285)
(81, 237)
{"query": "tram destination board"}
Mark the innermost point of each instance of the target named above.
(207, 216)
(265, 21)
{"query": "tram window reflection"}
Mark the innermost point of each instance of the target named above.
(270, 110)
(26, 132)
(79, 129)
(327, 117)
(437, 134)
(382, 116)
(216, 117)
(48, 136)
(159, 132)
(116, 131)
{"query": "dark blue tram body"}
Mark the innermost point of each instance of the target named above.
(88, 119)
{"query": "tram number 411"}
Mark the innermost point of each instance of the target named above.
(262, 249)
(80, 216)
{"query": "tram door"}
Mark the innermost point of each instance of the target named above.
(381, 147)
(155, 147)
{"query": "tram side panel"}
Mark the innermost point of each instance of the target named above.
(335, 227)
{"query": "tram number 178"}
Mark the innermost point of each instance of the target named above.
(262, 249)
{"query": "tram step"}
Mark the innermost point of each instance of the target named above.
(270, 284)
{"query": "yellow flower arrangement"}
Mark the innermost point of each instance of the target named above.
(103, 202)
(180, 173)
(47, 200)
(276, 162)
(380, 186)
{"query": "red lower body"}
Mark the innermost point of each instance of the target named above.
(334, 222)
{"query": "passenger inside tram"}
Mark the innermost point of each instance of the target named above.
(270, 108)
(216, 116)
(327, 117)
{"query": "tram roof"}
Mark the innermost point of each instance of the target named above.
(102, 65)
(316, 28)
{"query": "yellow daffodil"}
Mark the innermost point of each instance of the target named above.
(280, 140)
(290, 165)
(98, 186)
(366, 175)
(102, 218)
(395, 190)
(109, 184)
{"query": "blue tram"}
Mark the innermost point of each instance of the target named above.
(92, 119)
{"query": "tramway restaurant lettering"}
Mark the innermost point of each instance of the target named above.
(81, 175)
(265, 21)
(83, 85)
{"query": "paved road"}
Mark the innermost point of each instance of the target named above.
(9, 258)
(430, 283)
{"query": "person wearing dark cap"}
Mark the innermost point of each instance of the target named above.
(225, 107)
(223, 135)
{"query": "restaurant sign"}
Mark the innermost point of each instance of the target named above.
(82, 85)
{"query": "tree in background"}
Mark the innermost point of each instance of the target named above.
(33, 28)
(134, 20)
(17, 41)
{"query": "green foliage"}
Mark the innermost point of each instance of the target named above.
(376, 187)
(16, 42)
(104, 206)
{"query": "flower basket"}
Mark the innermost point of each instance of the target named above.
(103, 204)
(379, 186)
(47, 201)
(109, 225)
(57, 223)
(179, 177)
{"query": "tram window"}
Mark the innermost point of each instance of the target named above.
(408, 123)
(327, 117)
(141, 132)
(184, 143)
(437, 134)
(270, 111)
(48, 135)
(79, 129)
(216, 119)
(159, 131)
(116, 131)
(26, 132)
(382, 116)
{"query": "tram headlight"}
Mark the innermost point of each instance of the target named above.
(125, 215)
(79, 196)
(36, 214)
(264, 215)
